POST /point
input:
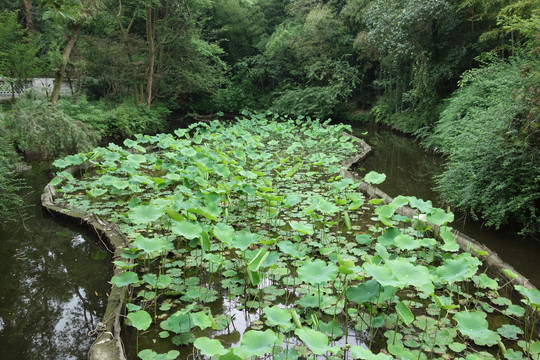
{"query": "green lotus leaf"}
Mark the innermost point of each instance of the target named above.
(514, 310)
(474, 325)
(440, 217)
(407, 242)
(256, 343)
(316, 341)
(150, 245)
(389, 236)
(127, 278)
(509, 331)
(404, 313)
(358, 352)
(188, 151)
(457, 269)
(408, 274)
(292, 249)
(511, 354)
(141, 320)
(187, 229)
(363, 239)
(144, 214)
(532, 295)
(367, 291)
(312, 301)
(484, 281)
(291, 200)
(136, 158)
(424, 206)
(178, 323)
(382, 273)
(222, 170)
(276, 316)
(447, 236)
(317, 272)
(223, 232)
(209, 347)
(243, 239)
(331, 328)
(201, 319)
(457, 347)
(374, 177)
(147, 354)
(302, 227)
(120, 184)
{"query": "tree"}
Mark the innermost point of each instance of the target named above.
(71, 15)
(18, 53)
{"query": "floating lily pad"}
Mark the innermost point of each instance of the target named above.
(358, 352)
(317, 272)
(474, 325)
(209, 347)
(509, 331)
(276, 316)
(374, 177)
(256, 343)
(144, 214)
(315, 340)
(127, 278)
(141, 320)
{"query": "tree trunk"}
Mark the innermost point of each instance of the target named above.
(151, 56)
(65, 58)
(29, 17)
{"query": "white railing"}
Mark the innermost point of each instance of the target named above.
(42, 84)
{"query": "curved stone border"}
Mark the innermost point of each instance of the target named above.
(492, 260)
(109, 346)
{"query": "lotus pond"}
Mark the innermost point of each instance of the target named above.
(247, 242)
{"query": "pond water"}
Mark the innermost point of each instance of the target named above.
(53, 284)
(410, 170)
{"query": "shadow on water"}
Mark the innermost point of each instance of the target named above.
(53, 284)
(410, 170)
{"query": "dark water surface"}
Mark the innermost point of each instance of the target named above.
(53, 284)
(410, 169)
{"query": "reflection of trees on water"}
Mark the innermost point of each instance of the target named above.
(47, 292)
(408, 167)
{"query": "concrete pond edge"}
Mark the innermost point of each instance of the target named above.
(108, 344)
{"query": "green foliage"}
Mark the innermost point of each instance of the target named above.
(18, 53)
(44, 131)
(10, 184)
(123, 120)
(490, 133)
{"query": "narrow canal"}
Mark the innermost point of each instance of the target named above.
(410, 170)
(53, 284)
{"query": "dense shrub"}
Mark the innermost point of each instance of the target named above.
(490, 133)
(40, 130)
(10, 184)
(123, 120)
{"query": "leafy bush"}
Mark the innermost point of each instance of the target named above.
(38, 129)
(320, 101)
(10, 184)
(489, 132)
(124, 120)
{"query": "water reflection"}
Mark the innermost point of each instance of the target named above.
(53, 285)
